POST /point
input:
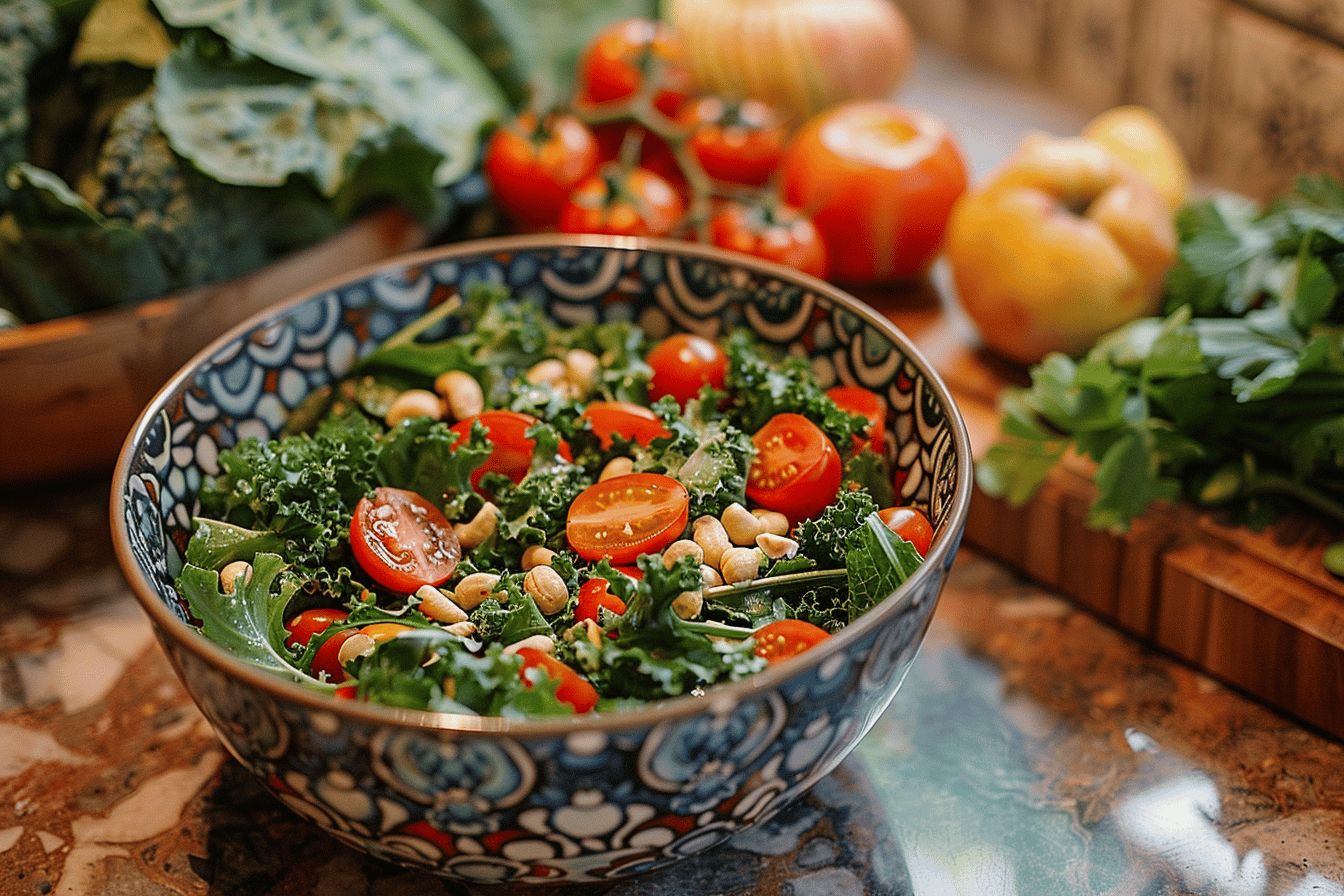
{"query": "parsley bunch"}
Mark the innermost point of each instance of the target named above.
(1235, 397)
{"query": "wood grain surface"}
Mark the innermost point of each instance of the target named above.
(78, 383)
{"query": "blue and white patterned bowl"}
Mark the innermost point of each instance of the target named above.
(579, 799)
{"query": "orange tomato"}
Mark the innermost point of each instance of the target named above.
(880, 182)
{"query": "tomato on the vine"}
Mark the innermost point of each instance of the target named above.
(911, 524)
(302, 627)
(880, 182)
(737, 143)
(636, 202)
(512, 450)
(865, 403)
(616, 63)
(682, 363)
(786, 638)
(796, 470)
(573, 688)
(626, 419)
(595, 594)
(402, 541)
(625, 516)
(534, 164)
(777, 234)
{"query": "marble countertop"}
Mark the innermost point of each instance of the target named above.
(1032, 750)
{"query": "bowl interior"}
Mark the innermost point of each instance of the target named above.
(247, 383)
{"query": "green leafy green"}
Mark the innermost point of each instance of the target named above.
(1236, 397)
(877, 562)
(762, 389)
(423, 455)
(249, 622)
(704, 452)
(824, 539)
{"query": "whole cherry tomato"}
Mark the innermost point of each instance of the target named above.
(738, 143)
(625, 516)
(866, 403)
(594, 595)
(911, 524)
(796, 470)
(777, 234)
(326, 661)
(311, 622)
(682, 364)
(403, 541)
(636, 202)
(616, 63)
(880, 182)
(533, 165)
(626, 419)
(573, 689)
(787, 638)
(512, 450)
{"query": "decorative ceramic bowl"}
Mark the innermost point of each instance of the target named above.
(579, 799)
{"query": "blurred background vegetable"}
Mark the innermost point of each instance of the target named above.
(1063, 243)
(798, 55)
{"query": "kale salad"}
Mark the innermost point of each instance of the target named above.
(522, 520)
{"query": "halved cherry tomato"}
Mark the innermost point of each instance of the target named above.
(403, 541)
(349, 692)
(779, 234)
(327, 658)
(633, 572)
(879, 182)
(595, 594)
(574, 689)
(625, 419)
(311, 622)
(534, 165)
(787, 638)
(615, 64)
(858, 400)
(512, 449)
(623, 203)
(911, 524)
(796, 469)
(682, 364)
(623, 517)
(738, 143)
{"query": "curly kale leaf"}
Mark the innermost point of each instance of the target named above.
(656, 653)
(762, 389)
(704, 452)
(303, 487)
(825, 538)
(508, 623)
(869, 470)
(424, 455)
(28, 29)
(435, 670)
(59, 255)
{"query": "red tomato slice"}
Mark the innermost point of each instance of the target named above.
(911, 524)
(682, 364)
(349, 692)
(403, 541)
(796, 470)
(311, 622)
(512, 449)
(574, 689)
(327, 658)
(594, 594)
(858, 400)
(623, 517)
(787, 638)
(625, 419)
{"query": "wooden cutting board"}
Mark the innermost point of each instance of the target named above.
(1254, 609)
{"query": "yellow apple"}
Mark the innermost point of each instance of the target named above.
(1139, 138)
(1063, 243)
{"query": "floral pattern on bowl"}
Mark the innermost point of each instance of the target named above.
(572, 800)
